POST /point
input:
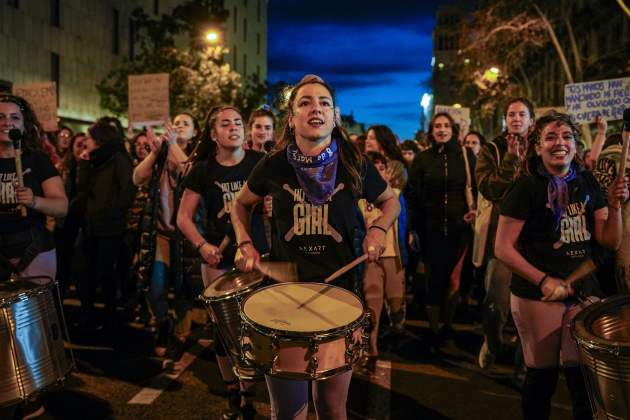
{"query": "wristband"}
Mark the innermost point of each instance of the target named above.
(542, 280)
(379, 228)
(243, 243)
(199, 245)
(33, 203)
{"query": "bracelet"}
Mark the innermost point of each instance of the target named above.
(243, 243)
(615, 207)
(542, 280)
(379, 228)
(199, 245)
(33, 203)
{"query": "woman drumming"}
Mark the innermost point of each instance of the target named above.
(442, 217)
(545, 229)
(221, 167)
(26, 247)
(315, 170)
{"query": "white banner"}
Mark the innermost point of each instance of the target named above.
(460, 115)
(608, 98)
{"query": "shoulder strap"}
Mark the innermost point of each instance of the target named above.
(467, 165)
(496, 150)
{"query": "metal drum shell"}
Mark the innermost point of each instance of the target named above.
(601, 332)
(258, 342)
(224, 308)
(33, 356)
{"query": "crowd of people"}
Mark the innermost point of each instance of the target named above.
(136, 218)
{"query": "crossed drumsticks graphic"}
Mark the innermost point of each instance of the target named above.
(222, 212)
(333, 232)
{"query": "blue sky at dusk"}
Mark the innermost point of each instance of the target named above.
(377, 55)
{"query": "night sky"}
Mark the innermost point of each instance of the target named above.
(376, 54)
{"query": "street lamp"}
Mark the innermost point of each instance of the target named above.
(212, 36)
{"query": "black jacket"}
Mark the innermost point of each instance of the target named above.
(437, 188)
(106, 190)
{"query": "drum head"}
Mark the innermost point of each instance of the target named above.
(10, 291)
(303, 307)
(233, 281)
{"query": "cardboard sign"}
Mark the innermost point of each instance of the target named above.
(460, 115)
(43, 99)
(148, 99)
(608, 98)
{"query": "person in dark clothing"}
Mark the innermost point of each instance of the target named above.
(548, 222)
(441, 215)
(105, 193)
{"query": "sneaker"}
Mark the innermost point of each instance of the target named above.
(486, 359)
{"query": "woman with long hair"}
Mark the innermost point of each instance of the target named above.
(315, 169)
(27, 249)
(548, 221)
(442, 216)
(160, 172)
(381, 139)
(221, 167)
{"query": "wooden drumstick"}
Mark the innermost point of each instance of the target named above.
(346, 268)
(16, 136)
(583, 270)
(625, 135)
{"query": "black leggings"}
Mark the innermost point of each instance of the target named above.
(442, 254)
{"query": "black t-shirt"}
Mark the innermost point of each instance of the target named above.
(319, 239)
(218, 185)
(555, 252)
(36, 168)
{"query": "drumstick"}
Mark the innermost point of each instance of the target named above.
(334, 276)
(584, 269)
(624, 155)
(16, 136)
(346, 268)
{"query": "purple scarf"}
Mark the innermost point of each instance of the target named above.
(558, 192)
(316, 174)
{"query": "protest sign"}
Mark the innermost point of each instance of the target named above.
(539, 112)
(43, 99)
(608, 98)
(148, 99)
(459, 114)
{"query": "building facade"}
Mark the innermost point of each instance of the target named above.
(77, 43)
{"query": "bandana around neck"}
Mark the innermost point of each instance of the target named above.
(557, 191)
(316, 174)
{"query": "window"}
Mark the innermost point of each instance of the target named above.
(115, 24)
(258, 11)
(55, 19)
(14, 3)
(5, 86)
(235, 19)
(132, 40)
(235, 56)
(258, 43)
(245, 29)
(244, 64)
(54, 71)
(156, 7)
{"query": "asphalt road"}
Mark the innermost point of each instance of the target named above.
(116, 377)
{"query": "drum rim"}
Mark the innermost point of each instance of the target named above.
(229, 294)
(583, 336)
(284, 335)
(37, 289)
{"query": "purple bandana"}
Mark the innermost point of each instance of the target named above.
(316, 174)
(558, 192)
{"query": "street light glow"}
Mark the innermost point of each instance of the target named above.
(494, 70)
(212, 36)
(457, 105)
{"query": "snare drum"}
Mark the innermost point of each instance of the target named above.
(222, 298)
(32, 355)
(306, 331)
